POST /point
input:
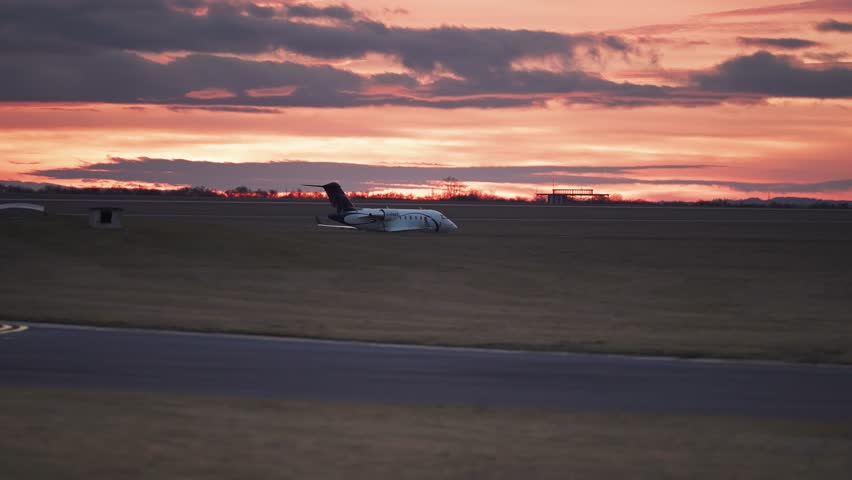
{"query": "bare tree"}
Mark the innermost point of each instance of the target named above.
(454, 187)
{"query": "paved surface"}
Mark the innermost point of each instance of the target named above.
(65, 356)
(283, 210)
(577, 221)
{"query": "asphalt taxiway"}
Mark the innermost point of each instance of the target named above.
(142, 360)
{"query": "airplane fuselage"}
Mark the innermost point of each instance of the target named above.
(381, 219)
(395, 220)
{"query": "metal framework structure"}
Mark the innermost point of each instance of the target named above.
(560, 196)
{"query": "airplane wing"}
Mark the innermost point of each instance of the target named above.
(340, 227)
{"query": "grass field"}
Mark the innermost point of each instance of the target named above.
(692, 282)
(70, 434)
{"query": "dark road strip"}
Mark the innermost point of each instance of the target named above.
(60, 356)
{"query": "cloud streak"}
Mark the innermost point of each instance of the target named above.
(282, 174)
(358, 177)
(306, 10)
(826, 57)
(785, 43)
(776, 75)
(814, 6)
(832, 25)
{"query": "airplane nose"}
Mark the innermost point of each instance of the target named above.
(450, 226)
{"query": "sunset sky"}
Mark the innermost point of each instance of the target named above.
(658, 99)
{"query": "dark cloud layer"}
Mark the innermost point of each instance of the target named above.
(89, 51)
(776, 75)
(832, 25)
(153, 26)
(306, 10)
(121, 77)
(785, 43)
(289, 175)
(84, 50)
(127, 78)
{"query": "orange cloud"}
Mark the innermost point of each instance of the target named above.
(210, 94)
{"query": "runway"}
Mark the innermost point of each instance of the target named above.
(141, 360)
(298, 213)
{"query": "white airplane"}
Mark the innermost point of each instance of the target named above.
(381, 219)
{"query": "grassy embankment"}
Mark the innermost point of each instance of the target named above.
(69, 434)
(739, 290)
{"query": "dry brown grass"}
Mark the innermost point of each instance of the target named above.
(70, 434)
(759, 290)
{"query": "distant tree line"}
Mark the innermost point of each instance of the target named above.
(59, 189)
(452, 190)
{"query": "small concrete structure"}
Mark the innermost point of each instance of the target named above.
(105, 217)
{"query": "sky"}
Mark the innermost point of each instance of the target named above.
(655, 100)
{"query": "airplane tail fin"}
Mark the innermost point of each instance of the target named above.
(337, 197)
